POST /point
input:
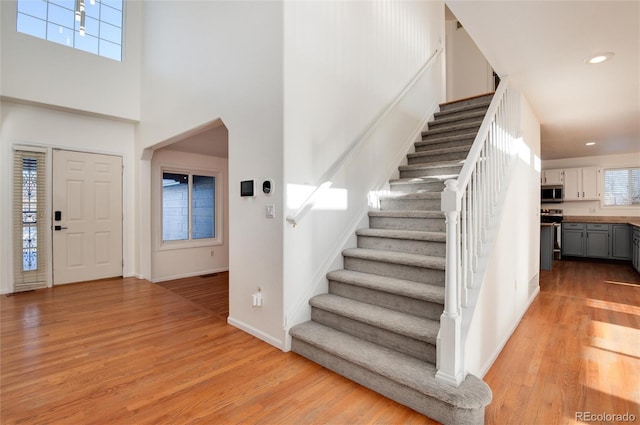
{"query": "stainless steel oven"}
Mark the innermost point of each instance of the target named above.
(550, 193)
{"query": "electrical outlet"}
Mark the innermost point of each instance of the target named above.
(212, 252)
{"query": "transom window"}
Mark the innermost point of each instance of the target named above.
(94, 26)
(622, 187)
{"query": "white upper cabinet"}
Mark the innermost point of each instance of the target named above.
(581, 184)
(552, 177)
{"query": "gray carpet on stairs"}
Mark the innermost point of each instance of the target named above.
(378, 324)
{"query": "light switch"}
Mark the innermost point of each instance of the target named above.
(270, 211)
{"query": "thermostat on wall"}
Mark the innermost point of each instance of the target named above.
(246, 188)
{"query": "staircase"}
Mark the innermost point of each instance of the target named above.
(378, 324)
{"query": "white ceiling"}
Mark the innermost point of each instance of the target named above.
(541, 46)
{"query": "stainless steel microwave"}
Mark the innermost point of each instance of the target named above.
(551, 193)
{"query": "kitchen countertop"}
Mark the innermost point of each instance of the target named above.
(634, 221)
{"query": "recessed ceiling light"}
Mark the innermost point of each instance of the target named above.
(599, 58)
(590, 143)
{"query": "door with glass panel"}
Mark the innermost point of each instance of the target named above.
(87, 216)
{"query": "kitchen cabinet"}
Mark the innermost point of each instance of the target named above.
(621, 241)
(552, 177)
(597, 240)
(573, 244)
(636, 248)
(581, 184)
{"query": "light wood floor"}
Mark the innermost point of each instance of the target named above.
(126, 351)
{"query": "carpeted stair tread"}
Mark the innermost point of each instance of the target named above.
(461, 109)
(436, 263)
(425, 179)
(456, 127)
(394, 321)
(419, 375)
(444, 139)
(440, 151)
(454, 117)
(415, 235)
(407, 214)
(443, 164)
(408, 288)
(413, 195)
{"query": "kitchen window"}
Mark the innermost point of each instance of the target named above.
(621, 187)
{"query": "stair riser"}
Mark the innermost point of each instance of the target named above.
(438, 125)
(400, 271)
(454, 131)
(401, 343)
(400, 204)
(407, 223)
(405, 174)
(446, 142)
(435, 158)
(416, 307)
(433, 249)
(428, 406)
(417, 187)
(465, 103)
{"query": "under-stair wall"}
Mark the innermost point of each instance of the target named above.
(511, 270)
(344, 63)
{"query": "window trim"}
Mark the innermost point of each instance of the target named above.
(163, 245)
(602, 196)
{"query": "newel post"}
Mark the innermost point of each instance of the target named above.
(450, 353)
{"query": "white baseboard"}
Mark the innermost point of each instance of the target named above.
(269, 339)
(183, 275)
(496, 353)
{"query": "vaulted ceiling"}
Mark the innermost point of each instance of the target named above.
(542, 45)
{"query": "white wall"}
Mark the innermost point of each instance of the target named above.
(32, 125)
(511, 277)
(344, 62)
(468, 71)
(40, 71)
(594, 208)
(180, 262)
(204, 61)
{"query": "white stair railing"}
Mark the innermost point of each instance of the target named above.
(469, 203)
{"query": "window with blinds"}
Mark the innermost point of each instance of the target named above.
(29, 220)
(622, 187)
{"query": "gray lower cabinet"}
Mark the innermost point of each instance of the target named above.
(573, 241)
(599, 240)
(621, 241)
(636, 248)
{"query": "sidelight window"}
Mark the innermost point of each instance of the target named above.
(29, 220)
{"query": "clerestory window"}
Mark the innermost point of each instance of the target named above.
(94, 26)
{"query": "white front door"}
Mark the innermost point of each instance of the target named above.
(87, 216)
